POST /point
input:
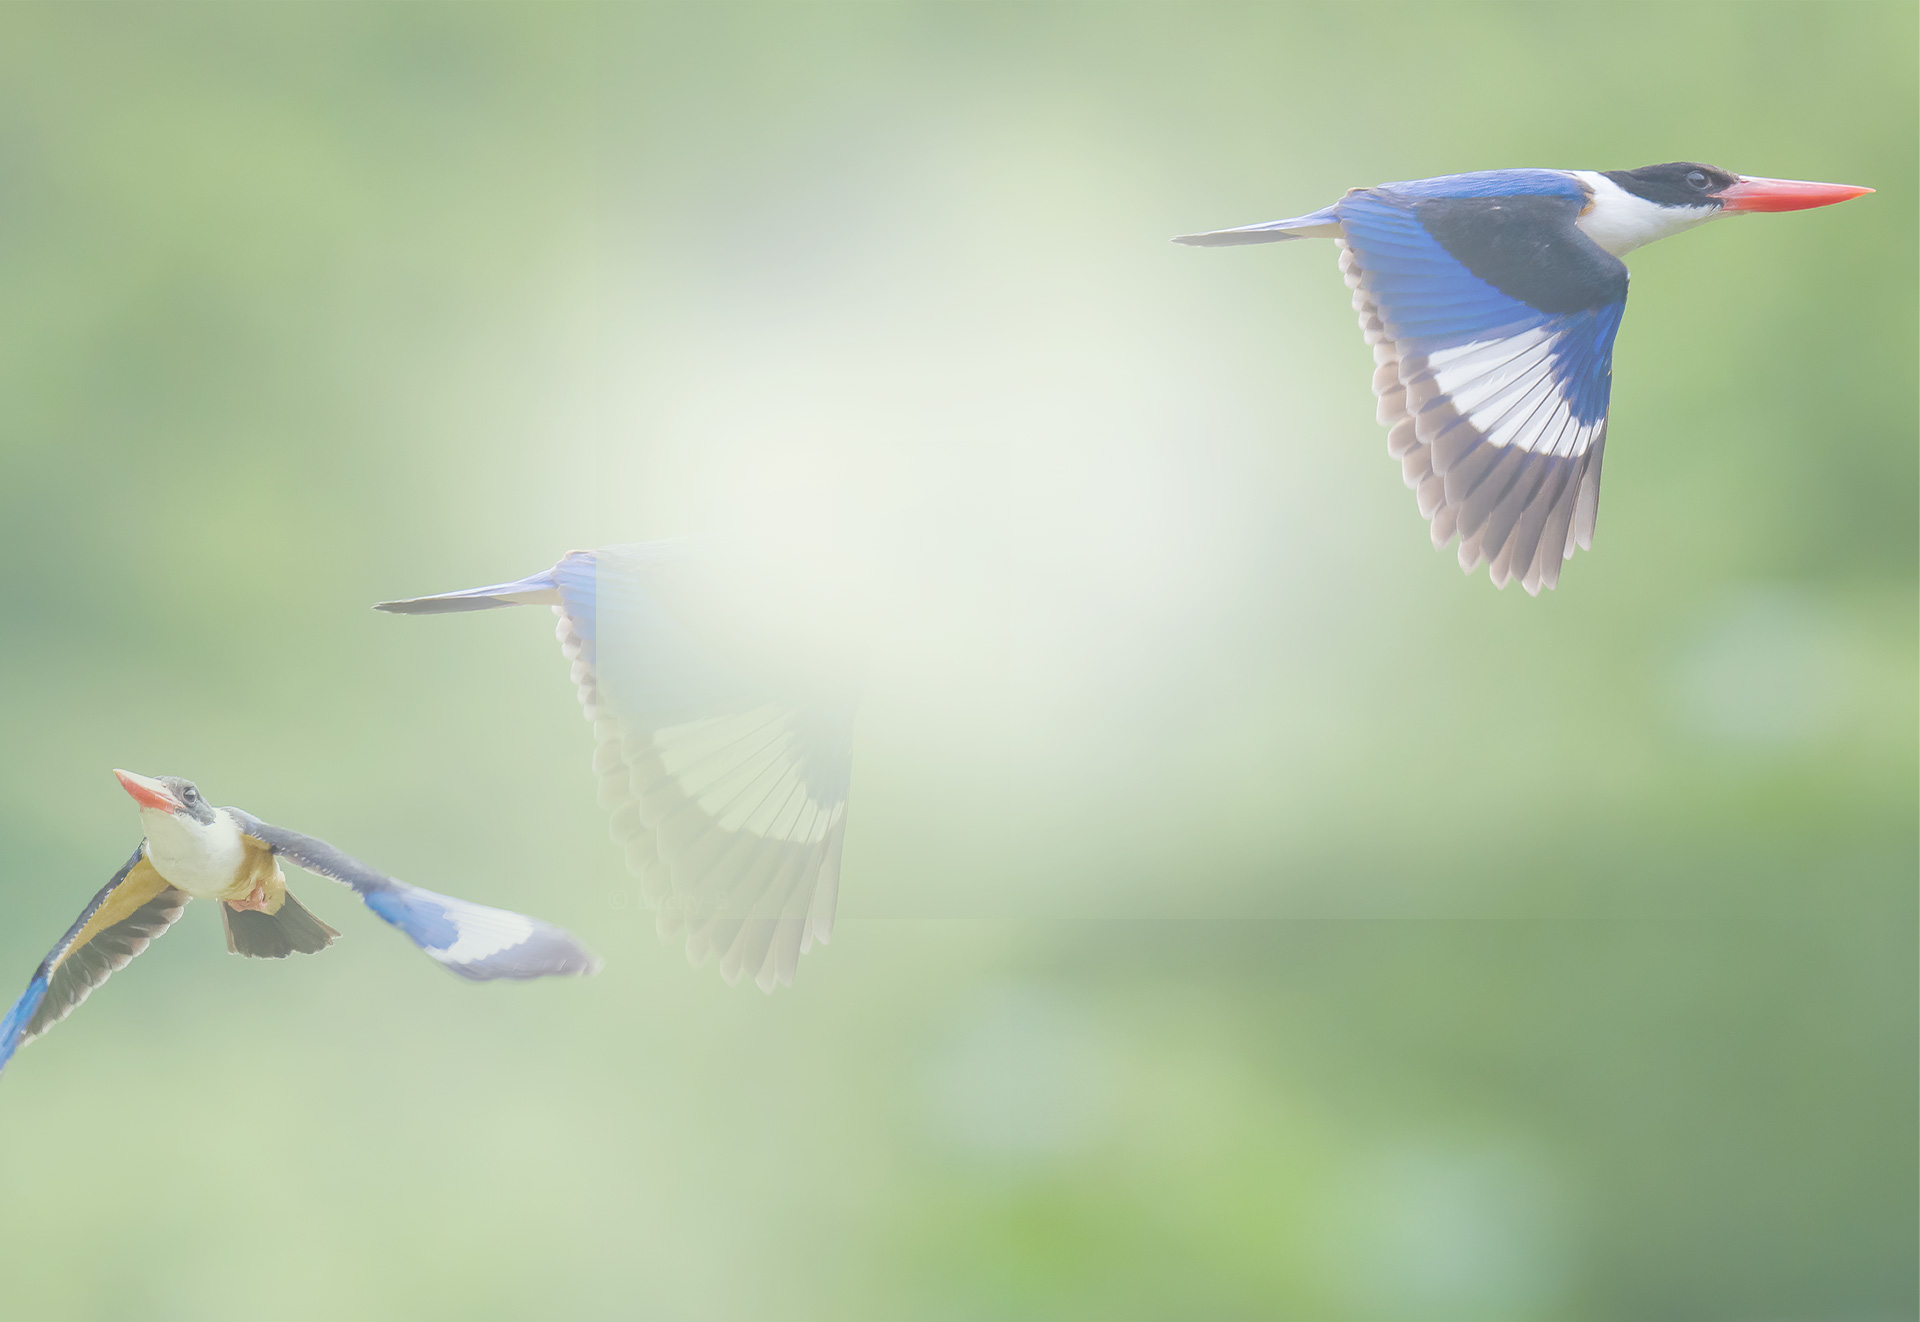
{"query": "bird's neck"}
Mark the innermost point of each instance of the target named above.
(1620, 222)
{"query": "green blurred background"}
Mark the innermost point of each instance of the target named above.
(1245, 915)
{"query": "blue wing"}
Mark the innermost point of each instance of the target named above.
(472, 940)
(13, 1028)
(119, 923)
(723, 709)
(1492, 319)
(1497, 409)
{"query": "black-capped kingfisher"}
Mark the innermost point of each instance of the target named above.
(721, 679)
(194, 850)
(1491, 301)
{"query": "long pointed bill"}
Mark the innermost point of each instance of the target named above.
(148, 792)
(1754, 194)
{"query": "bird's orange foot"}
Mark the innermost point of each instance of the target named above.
(256, 898)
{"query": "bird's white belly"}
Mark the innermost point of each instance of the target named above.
(203, 868)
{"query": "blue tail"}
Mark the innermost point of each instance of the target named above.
(1321, 224)
(13, 1029)
(528, 591)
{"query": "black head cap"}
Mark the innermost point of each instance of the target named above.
(190, 798)
(1676, 184)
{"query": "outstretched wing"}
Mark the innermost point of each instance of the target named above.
(721, 679)
(723, 708)
(1492, 320)
(472, 940)
(131, 910)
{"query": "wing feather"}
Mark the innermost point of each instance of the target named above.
(1495, 410)
(726, 782)
(122, 920)
(475, 941)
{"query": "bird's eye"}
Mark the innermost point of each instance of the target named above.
(1695, 178)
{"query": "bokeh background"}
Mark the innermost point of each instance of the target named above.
(1245, 915)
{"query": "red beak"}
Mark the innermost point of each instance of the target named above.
(147, 792)
(1752, 194)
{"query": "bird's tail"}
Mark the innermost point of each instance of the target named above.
(540, 589)
(1322, 224)
(291, 931)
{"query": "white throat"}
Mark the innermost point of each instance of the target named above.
(202, 859)
(1620, 222)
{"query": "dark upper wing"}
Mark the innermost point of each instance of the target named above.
(131, 910)
(472, 940)
(722, 697)
(1492, 321)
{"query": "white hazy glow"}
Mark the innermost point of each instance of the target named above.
(1059, 510)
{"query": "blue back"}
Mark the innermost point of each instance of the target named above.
(1490, 183)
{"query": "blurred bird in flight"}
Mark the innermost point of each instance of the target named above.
(193, 850)
(721, 678)
(1491, 301)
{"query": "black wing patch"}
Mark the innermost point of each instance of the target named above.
(1529, 248)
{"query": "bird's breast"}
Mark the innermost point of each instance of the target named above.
(208, 864)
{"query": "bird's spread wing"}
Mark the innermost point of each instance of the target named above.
(1492, 322)
(724, 735)
(721, 685)
(472, 940)
(131, 910)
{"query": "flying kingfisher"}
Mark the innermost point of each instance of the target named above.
(721, 675)
(1491, 301)
(193, 850)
